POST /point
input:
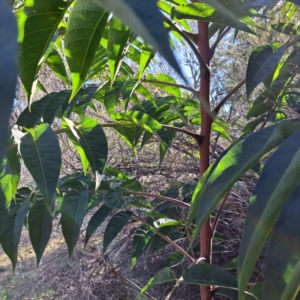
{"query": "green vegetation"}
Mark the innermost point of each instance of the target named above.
(107, 55)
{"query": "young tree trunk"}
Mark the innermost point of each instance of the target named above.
(205, 52)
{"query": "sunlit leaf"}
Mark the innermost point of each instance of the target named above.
(84, 31)
(118, 35)
(37, 22)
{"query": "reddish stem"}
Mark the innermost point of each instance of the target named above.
(205, 232)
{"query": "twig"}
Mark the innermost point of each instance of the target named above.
(166, 238)
(180, 86)
(132, 283)
(223, 101)
(198, 138)
(175, 287)
(215, 221)
(203, 66)
(164, 198)
(218, 40)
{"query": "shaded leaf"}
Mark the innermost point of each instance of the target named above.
(232, 164)
(262, 62)
(278, 179)
(207, 274)
(8, 55)
(163, 276)
(56, 64)
(283, 249)
(40, 225)
(113, 198)
(97, 219)
(41, 153)
(141, 241)
(132, 185)
(72, 214)
(114, 226)
(145, 19)
(11, 234)
(91, 138)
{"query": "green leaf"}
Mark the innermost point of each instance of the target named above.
(5, 192)
(15, 167)
(259, 108)
(145, 19)
(97, 219)
(38, 22)
(162, 82)
(286, 28)
(283, 250)
(146, 56)
(114, 198)
(72, 214)
(114, 226)
(164, 222)
(56, 64)
(141, 241)
(118, 35)
(207, 13)
(173, 260)
(163, 276)
(92, 140)
(54, 106)
(84, 31)
(132, 185)
(11, 234)
(230, 166)
(278, 179)
(41, 153)
(40, 225)
(8, 81)
(262, 62)
(207, 274)
(30, 118)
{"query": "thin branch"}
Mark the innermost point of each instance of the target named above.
(218, 40)
(203, 66)
(223, 101)
(197, 137)
(166, 238)
(293, 42)
(175, 287)
(178, 202)
(215, 221)
(132, 283)
(180, 86)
